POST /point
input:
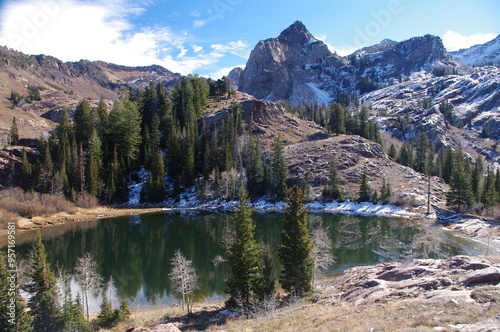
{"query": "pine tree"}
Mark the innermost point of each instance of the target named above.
(392, 152)
(365, 194)
(94, 162)
(489, 197)
(243, 258)
(279, 169)
(333, 189)
(125, 128)
(337, 121)
(13, 315)
(43, 300)
(385, 192)
(14, 133)
(477, 175)
(82, 122)
(460, 194)
(421, 163)
(296, 246)
(255, 168)
(106, 317)
(25, 174)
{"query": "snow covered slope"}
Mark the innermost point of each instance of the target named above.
(480, 55)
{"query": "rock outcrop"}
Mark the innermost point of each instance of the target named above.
(460, 278)
(296, 67)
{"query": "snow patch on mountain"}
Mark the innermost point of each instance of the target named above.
(480, 55)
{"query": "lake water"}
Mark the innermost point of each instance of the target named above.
(136, 251)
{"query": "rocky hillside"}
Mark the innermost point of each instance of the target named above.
(61, 85)
(297, 67)
(309, 150)
(474, 98)
(480, 55)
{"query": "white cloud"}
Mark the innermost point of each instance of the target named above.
(223, 72)
(340, 50)
(238, 48)
(100, 30)
(454, 41)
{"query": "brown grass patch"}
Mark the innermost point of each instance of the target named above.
(31, 204)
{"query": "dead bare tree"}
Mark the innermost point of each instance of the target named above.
(322, 252)
(88, 278)
(184, 279)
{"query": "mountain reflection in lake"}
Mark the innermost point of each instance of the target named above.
(135, 252)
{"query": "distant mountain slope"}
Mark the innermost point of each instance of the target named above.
(296, 67)
(480, 55)
(62, 85)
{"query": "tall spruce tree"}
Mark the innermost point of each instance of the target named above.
(278, 169)
(460, 195)
(364, 194)
(13, 315)
(296, 246)
(255, 168)
(243, 257)
(333, 188)
(43, 292)
(14, 133)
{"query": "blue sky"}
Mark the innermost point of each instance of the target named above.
(209, 37)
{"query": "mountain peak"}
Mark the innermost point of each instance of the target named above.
(296, 33)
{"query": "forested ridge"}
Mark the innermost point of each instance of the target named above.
(165, 138)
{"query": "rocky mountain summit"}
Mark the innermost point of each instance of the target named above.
(296, 67)
(480, 55)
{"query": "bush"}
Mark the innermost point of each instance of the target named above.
(86, 200)
(31, 204)
(6, 217)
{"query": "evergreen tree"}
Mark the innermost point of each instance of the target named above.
(255, 168)
(392, 152)
(243, 258)
(94, 162)
(14, 133)
(405, 156)
(125, 128)
(337, 122)
(42, 289)
(106, 318)
(333, 188)
(421, 163)
(21, 321)
(279, 169)
(460, 194)
(296, 246)
(25, 174)
(46, 171)
(489, 197)
(82, 122)
(364, 194)
(477, 175)
(385, 192)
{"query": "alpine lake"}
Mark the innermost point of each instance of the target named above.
(135, 251)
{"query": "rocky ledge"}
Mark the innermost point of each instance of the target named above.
(457, 279)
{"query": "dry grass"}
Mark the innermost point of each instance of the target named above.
(31, 204)
(407, 315)
(6, 217)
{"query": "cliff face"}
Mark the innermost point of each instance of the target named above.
(297, 67)
(280, 68)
